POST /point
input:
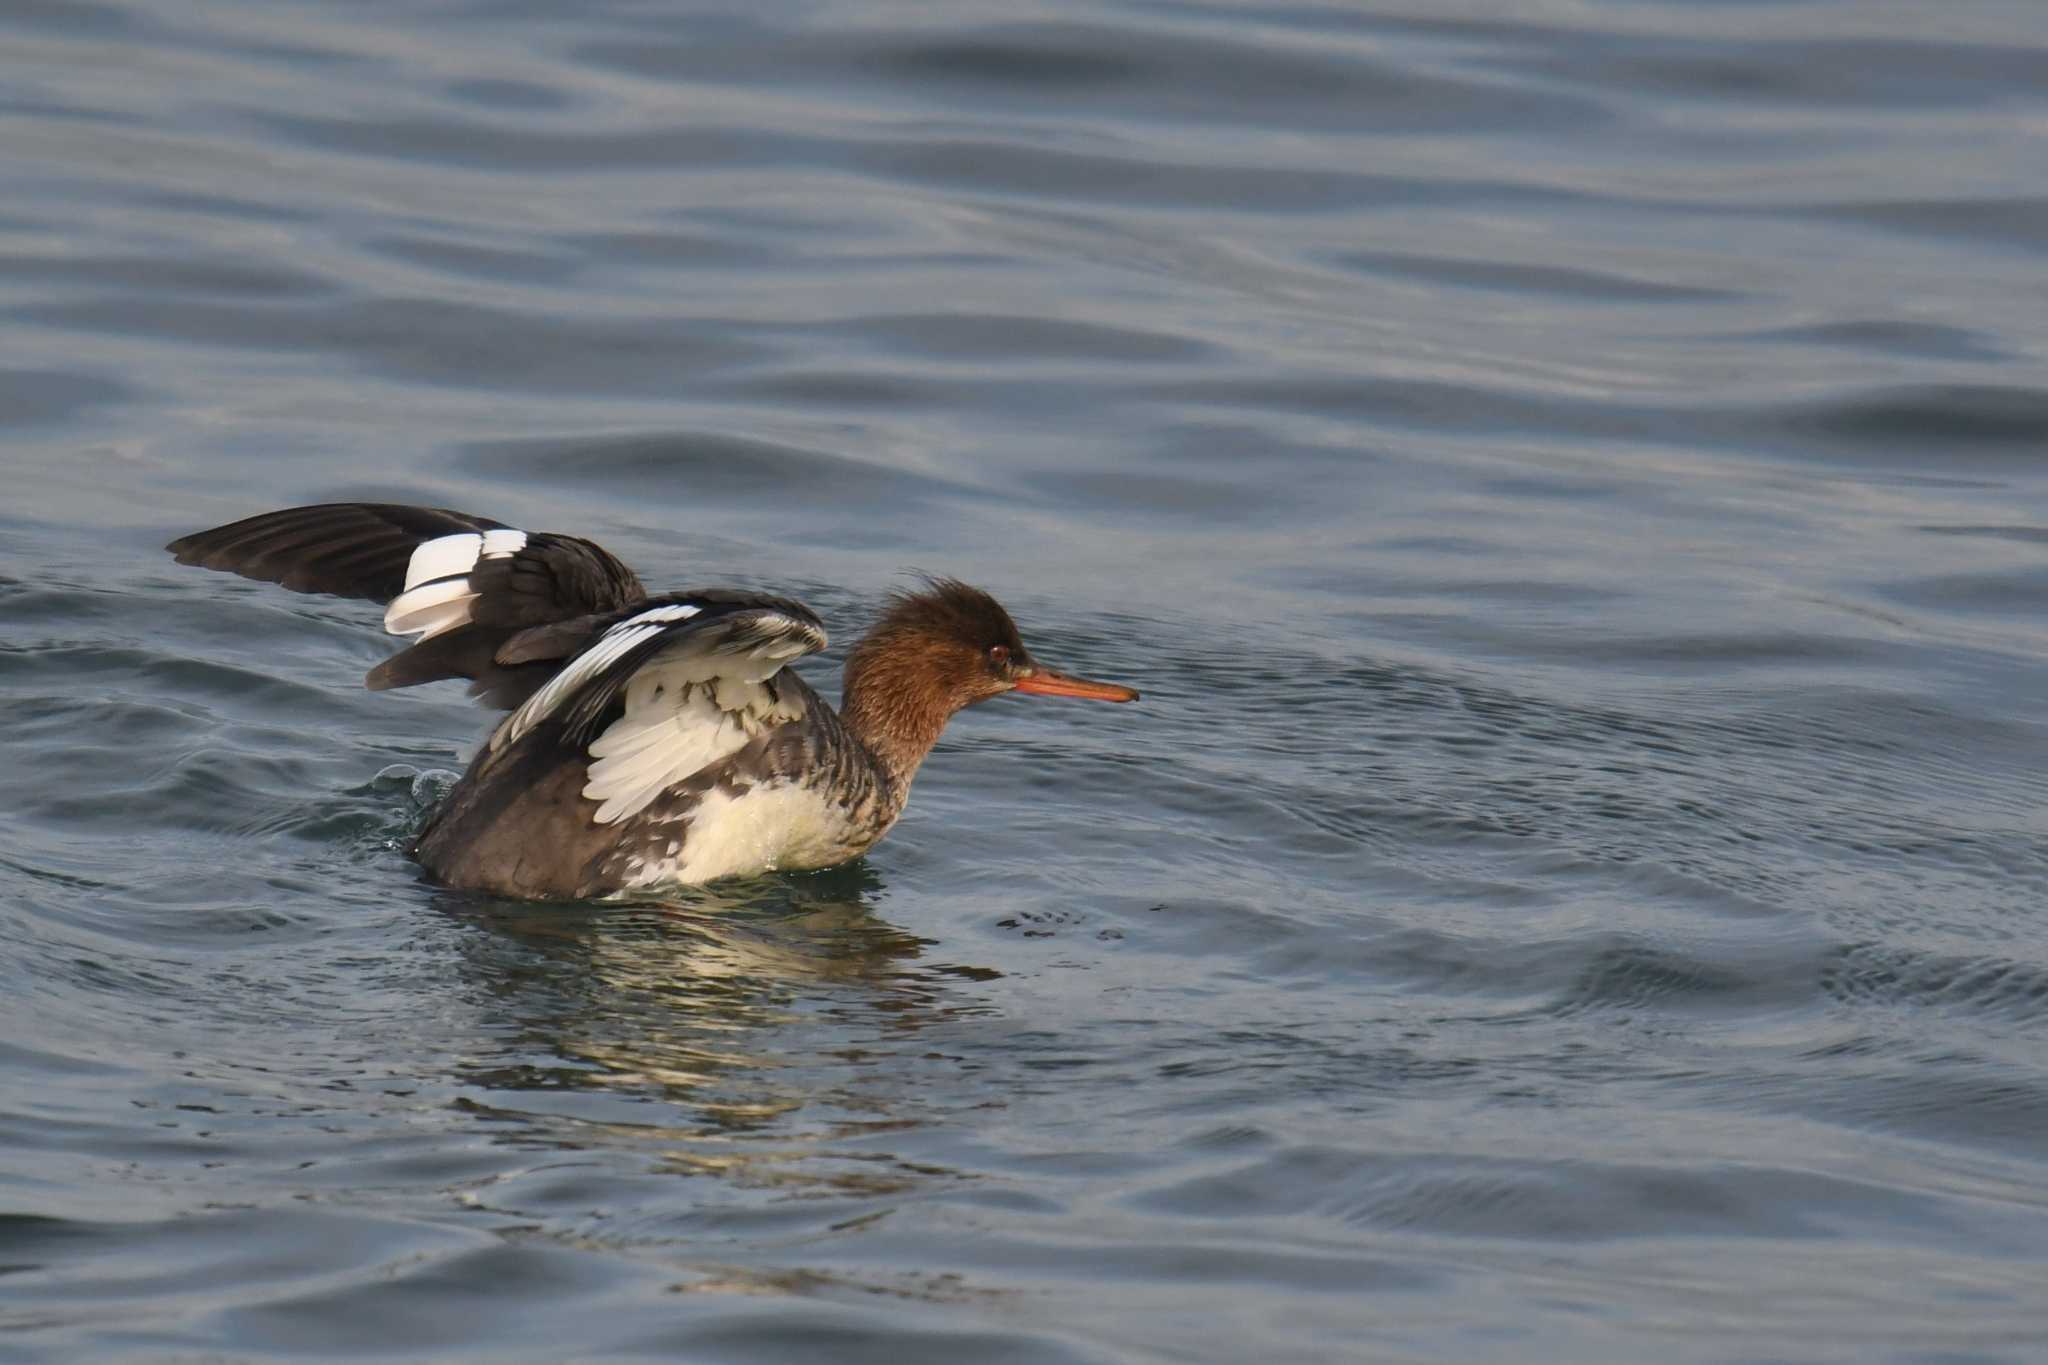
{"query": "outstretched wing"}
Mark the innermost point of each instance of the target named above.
(668, 688)
(347, 549)
(465, 585)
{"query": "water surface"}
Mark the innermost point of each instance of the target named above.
(1568, 479)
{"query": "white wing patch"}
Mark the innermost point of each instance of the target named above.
(430, 608)
(687, 709)
(688, 706)
(674, 726)
(587, 666)
(437, 596)
(502, 542)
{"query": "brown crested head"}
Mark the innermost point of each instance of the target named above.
(936, 650)
(948, 640)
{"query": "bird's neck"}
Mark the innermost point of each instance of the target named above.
(891, 708)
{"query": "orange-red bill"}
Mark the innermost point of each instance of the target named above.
(1048, 682)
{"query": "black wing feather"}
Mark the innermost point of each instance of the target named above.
(363, 550)
(344, 549)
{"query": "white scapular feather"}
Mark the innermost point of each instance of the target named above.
(431, 607)
(683, 713)
(690, 705)
(675, 611)
(616, 642)
(443, 558)
(441, 619)
(670, 731)
(437, 596)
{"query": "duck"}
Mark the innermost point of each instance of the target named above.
(649, 740)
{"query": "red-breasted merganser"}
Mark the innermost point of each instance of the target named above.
(653, 740)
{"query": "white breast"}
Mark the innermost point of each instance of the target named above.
(769, 828)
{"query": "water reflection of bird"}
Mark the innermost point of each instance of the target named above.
(652, 740)
(711, 1002)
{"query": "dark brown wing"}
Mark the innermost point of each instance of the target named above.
(346, 549)
(464, 584)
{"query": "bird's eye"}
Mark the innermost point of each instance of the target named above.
(999, 654)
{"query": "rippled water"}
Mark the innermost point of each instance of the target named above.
(1569, 479)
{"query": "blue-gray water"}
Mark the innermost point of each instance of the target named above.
(1571, 480)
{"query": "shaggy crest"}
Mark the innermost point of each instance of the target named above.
(947, 609)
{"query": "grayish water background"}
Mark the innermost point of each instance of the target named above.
(1569, 478)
